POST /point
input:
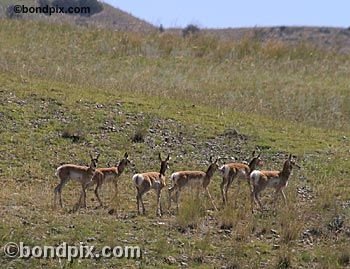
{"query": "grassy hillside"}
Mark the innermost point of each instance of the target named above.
(329, 38)
(193, 98)
(294, 83)
(109, 18)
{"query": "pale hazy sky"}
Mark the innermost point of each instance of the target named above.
(243, 13)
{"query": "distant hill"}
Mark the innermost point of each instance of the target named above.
(337, 39)
(325, 37)
(110, 18)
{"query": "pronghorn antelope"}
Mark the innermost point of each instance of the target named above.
(241, 171)
(151, 180)
(81, 174)
(259, 180)
(105, 175)
(182, 179)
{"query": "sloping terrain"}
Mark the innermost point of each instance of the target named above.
(191, 98)
(110, 18)
(330, 38)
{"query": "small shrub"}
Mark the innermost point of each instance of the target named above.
(141, 130)
(282, 28)
(190, 29)
(291, 224)
(139, 135)
(191, 210)
(284, 262)
(73, 133)
(228, 218)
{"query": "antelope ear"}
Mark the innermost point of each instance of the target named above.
(253, 153)
(126, 155)
(211, 159)
(159, 156)
(290, 157)
(168, 158)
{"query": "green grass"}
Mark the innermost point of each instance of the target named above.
(181, 94)
(298, 84)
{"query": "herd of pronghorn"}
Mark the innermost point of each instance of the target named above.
(258, 180)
